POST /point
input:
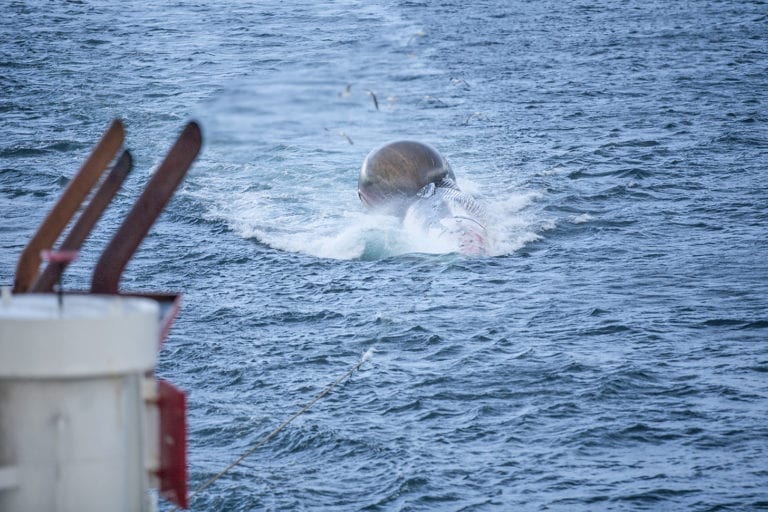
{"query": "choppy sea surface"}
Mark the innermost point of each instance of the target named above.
(611, 353)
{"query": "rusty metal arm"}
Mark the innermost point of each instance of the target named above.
(86, 221)
(162, 185)
(68, 203)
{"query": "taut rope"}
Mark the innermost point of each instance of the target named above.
(366, 356)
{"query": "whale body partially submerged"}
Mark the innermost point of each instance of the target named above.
(413, 181)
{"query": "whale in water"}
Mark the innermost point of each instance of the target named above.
(413, 181)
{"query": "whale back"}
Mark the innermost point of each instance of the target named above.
(397, 171)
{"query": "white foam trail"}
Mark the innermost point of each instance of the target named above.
(511, 227)
(306, 221)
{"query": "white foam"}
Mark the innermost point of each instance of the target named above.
(511, 226)
(581, 219)
(324, 219)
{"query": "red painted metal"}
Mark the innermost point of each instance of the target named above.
(173, 443)
(68, 203)
(58, 257)
(168, 318)
(170, 305)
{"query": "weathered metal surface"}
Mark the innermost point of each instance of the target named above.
(109, 268)
(86, 221)
(68, 203)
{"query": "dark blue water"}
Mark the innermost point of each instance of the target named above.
(609, 355)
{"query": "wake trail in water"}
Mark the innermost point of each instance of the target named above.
(279, 171)
(307, 224)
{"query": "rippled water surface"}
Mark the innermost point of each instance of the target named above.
(610, 353)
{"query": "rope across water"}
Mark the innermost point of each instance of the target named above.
(365, 357)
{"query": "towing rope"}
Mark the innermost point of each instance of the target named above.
(365, 357)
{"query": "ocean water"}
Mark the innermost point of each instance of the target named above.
(609, 354)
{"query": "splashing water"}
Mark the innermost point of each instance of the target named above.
(304, 224)
(291, 182)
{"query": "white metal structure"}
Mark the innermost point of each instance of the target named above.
(78, 425)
